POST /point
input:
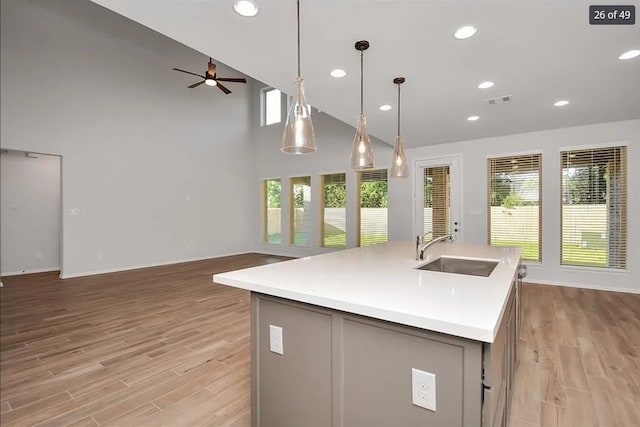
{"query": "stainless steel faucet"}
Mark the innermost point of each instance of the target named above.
(422, 247)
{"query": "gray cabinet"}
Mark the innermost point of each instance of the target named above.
(293, 389)
(344, 370)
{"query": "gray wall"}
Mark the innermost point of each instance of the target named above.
(163, 174)
(159, 172)
(29, 213)
(334, 139)
(474, 195)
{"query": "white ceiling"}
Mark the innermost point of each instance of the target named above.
(538, 51)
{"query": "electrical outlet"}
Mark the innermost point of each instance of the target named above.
(423, 389)
(275, 339)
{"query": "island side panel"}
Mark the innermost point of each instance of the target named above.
(377, 360)
(366, 366)
(499, 366)
(293, 388)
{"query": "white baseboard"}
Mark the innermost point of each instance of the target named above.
(583, 286)
(35, 270)
(136, 267)
(291, 251)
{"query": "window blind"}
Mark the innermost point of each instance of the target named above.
(515, 203)
(373, 221)
(271, 212)
(300, 216)
(333, 230)
(594, 207)
(437, 210)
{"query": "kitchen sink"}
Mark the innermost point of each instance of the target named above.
(473, 267)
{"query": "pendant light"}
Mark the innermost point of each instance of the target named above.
(361, 152)
(399, 168)
(298, 136)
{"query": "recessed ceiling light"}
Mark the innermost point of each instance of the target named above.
(485, 85)
(473, 118)
(338, 73)
(385, 107)
(465, 32)
(561, 103)
(630, 54)
(246, 8)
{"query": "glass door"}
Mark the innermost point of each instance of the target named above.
(437, 198)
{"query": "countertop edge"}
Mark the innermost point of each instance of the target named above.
(448, 328)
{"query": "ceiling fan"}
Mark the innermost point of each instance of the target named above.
(211, 79)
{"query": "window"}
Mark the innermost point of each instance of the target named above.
(437, 207)
(333, 232)
(271, 106)
(271, 215)
(594, 207)
(373, 207)
(300, 210)
(514, 203)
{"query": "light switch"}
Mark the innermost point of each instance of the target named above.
(275, 339)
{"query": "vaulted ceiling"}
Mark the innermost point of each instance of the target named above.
(536, 51)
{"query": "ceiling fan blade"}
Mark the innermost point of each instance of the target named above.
(224, 89)
(189, 72)
(195, 85)
(223, 79)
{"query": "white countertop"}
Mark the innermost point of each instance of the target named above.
(382, 282)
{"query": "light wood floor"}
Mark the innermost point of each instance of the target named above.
(579, 359)
(158, 346)
(165, 346)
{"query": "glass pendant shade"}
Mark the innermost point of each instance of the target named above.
(361, 152)
(399, 168)
(298, 136)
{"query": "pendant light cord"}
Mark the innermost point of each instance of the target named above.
(298, 4)
(398, 109)
(361, 82)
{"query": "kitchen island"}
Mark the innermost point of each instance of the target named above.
(336, 337)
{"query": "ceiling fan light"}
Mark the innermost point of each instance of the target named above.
(210, 82)
(298, 136)
(361, 151)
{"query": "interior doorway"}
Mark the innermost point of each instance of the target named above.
(30, 212)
